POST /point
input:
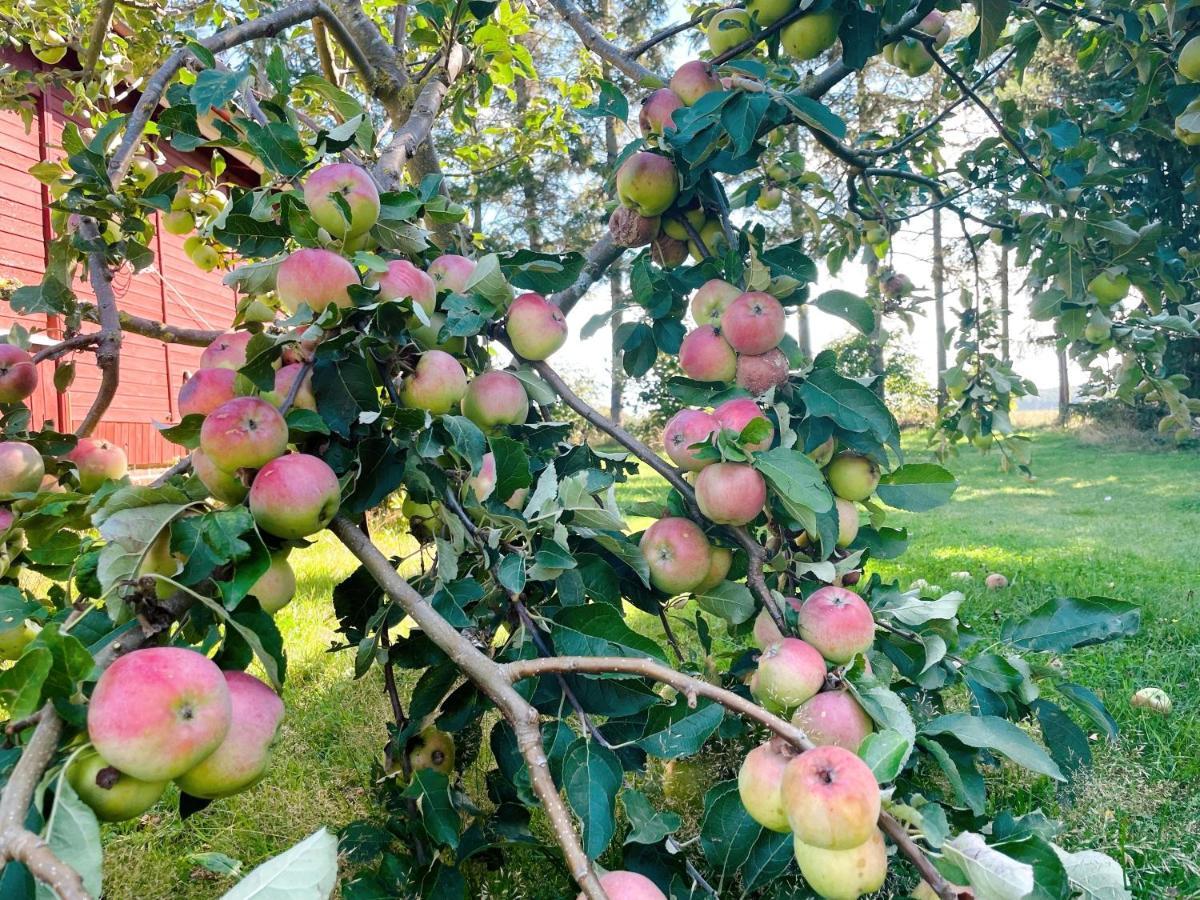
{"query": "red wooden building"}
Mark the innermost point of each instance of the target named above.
(171, 290)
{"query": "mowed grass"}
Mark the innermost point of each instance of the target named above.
(1098, 520)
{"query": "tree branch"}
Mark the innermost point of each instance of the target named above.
(324, 57)
(592, 38)
(68, 345)
(669, 32)
(95, 43)
(367, 48)
(597, 259)
(108, 340)
(155, 330)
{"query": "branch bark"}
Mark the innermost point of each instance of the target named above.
(95, 43)
(597, 259)
(595, 41)
(108, 341)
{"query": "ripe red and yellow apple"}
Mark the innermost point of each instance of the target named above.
(357, 190)
(831, 798)
(719, 562)
(226, 352)
(436, 384)
(838, 623)
(658, 110)
(21, 468)
(451, 272)
(677, 554)
(494, 399)
(295, 496)
(730, 493)
(483, 482)
(711, 298)
(833, 717)
(739, 412)
(686, 428)
(207, 390)
(316, 278)
(112, 795)
(622, 885)
(403, 281)
(789, 672)
(760, 784)
(244, 433)
(158, 712)
(753, 323)
(647, 183)
(18, 375)
(693, 80)
(276, 587)
(706, 356)
(224, 486)
(285, 378)
(536, 328)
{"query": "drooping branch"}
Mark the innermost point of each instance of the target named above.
(492, 681)
(95, 41)
(108, 341)
(595, 41)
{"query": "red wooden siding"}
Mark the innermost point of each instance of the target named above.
(171, 290)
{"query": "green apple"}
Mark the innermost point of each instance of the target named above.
(727, 29)
(810, 36)
(768, 12)
(1109, 287)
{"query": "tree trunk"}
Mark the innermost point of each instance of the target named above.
(1004, 304)
(1064, 387)
(939, 308)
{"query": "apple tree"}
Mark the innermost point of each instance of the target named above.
(381, 352)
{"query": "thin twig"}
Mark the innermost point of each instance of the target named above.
(69, 345)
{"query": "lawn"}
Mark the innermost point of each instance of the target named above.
(1099, 520)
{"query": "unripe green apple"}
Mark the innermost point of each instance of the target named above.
(768, 12)
(810, 36)
(727, 29)
(178, 221)
(432, 749)
(21, 468)
(204, 257)
(1109, 287)
(673, 226)
(1098, 328)
(223, 486)
(112, 795)
(847, 514)
(14, 638)
(852, 477)
(720, 559)
(912, 58)
(712, 234)
(844, 874)
(1189, 60)
(769, 197)
(276, 587)
(142, 171)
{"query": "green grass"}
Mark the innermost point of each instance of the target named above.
(1097, 521)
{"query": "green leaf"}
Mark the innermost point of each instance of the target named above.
(1091, 706)
(1067, 622)
(214, 88)
(885, 752)
(649, 824)
(993, 15)
(1093, 875)
(49, 296)
(308, 871)
(729, 600)
(1066, 741)
(610, 102)
(512, 466)
(815, 113)
(511, 572)
(856, 310)
(592, 776)
(959, 768)
(730, 838)
(994, 733)
(431, 790)
(21, 683)
(917, 487)
(991, 873)
(797, 481)
(599, 630)
(679, 729)
(74, 837)
(851, 405)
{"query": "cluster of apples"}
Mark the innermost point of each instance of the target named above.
(189, 209)
(805, 38)
(166, 714)
(827, 797)
(909, 54)
(736, 339)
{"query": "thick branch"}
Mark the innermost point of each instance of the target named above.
(27, 848)
(108, 342)
(155, 330)
(324, 57)
(349, 41)
(95, 43)
(594, 40)
(490, 679)
(598, 258)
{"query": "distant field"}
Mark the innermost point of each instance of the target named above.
(1097, 521)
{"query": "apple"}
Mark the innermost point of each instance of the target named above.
(157, 712)
(789, 672)
(677, 553)
(995, 582)
(1189, 60)
(710, 300)
(226, 352)
(758, 374)
(483, 483)
(897, 285)
(495, 399)
(647, 183)
(403, 281)
(7, 518)
(838, 623)
(213, 202)
(730, 493)
(223, 486)
(706, 356)
(14, 638)
(204, 257)
(932, 23)
(276, 587)
(770, 197)
(432, 749)
(844, 874)
(712, 235)
(852, 477)
(159, 560)
(426, 336)
(628, 229)
(536, 328)
(823, 452)
(178, 221)
(760, 784)
(294, 496)
(285, 377)
(727, 29)
(142, 171)
(242, 758)
(847, 514)
(768, 12)
(693, 80)
(18, 375)
(911, 57)
(674, 226)
(739, 412)
(668, 252)
(21, 468)
(810, 36)
(657, 113)
(766, 632)
(112, 795)
(622, 885)
(356, 188)
(753, 323)
(1110, 287)
(831, 798)
(436, 384)
(833, 717)
(688, 427)
(684, 783)
(719, 561)
(206, 390)
(451, 272)
(244, 433)
(316, 278)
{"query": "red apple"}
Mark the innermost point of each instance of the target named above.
(483, 483)
(494, 399)
(677, 553)
(719, 561)
(622, 885)
(97, 462)
(226, 352)
(295, 496)
(647, 183)
(536, 328)
(285, 377)
(760, 784)
(112, 795)
(224, 486)
(710, 300)
(355, 186)
(706, 356)
(276, 587)
(18, 375)
(245, 433)
(206, 390)
(657, 113)
(693, 80)
(21, 468)
(789, 672)
(452, 272)
(688, 427)
(7, 517)
(838, 623)
(833, 717)
(739, 412)
(753, 323)
(730, 493)
(402, 281)
(242, 758)
(758, 374)
(831, 798)
(436, 384)
(157, 712)
(316, 278)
